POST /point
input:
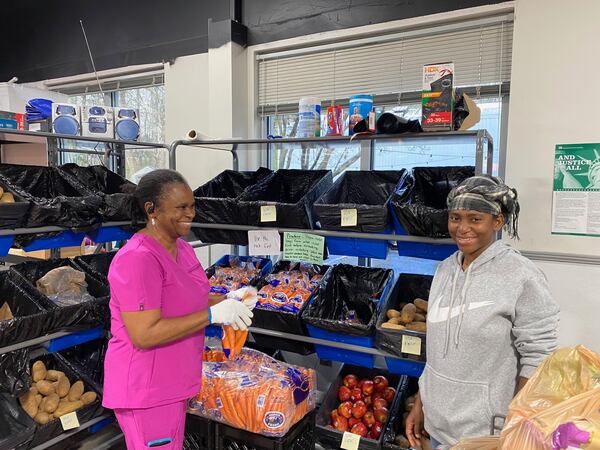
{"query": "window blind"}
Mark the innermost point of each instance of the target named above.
(481, 51)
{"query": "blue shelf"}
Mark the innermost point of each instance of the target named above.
(109, 234)
(66, 238)
(75, 338)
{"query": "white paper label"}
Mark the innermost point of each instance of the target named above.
(349, 217)
(268, 213)
(411, 345)
(69, 421)
(264, 242)
(350, 441)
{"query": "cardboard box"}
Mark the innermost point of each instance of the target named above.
(98, 121)
(19, 118)
(437, 97)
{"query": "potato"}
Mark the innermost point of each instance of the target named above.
(393, 326)
(45, 387)
(76, 391)
(62, 386)
(417, 326)
(7, 197)
(395, 320)
(67, 407)
(420, 318)
(42, 418)
(89, 397)
(408, 314)
(421, 304)
(54, 375)
(29, 403)
(38, 399)
(50, 403)
(38, 371)
(391, 313)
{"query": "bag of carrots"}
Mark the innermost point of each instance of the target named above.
(254, 392)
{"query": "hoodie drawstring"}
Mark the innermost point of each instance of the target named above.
(447, 341)
(463, 305)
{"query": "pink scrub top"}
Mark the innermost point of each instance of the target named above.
(144, 275)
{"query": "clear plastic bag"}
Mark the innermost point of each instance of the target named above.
(64, 286)
(254, 392)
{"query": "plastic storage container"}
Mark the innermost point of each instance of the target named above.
(16, 427)
(285, 322)
(96, 265)
(332, 438)
(359, 108)
(199, 433)
(358, 201)
(88, 358)
(345, 309)
(419, 208)
(396, 423)
(93, 312)
(285, 199)
(13, 215)
(216, 203)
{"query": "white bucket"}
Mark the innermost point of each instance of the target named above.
(309, 122)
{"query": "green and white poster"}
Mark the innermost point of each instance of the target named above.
(576, 193)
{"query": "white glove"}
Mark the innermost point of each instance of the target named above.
(231, 312)
(247, 295)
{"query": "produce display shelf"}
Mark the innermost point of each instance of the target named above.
(58, 341)
(68, 434)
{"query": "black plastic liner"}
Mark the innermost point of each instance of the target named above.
(13, 215)
(292, 192)
(52, 429)
(88, 358)
(344, 289)
(283, 321)
(396, 421)
(15, 372)
(110, 186)
(16, 427)
(408, 287)
(94, 312)
(366, 191)
(420, 199)
(216, 203)
(57, 198)
(96, 265)
(31, 320)
(332, 438)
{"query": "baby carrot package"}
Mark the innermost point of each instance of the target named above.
(254, 392)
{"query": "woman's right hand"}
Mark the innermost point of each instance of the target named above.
(415, 423)
(231, 312)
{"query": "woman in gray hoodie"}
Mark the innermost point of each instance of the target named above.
(491, 320)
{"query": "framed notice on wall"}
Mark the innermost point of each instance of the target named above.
(576, 192)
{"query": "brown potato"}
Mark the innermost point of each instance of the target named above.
(7, 197)
(408, 314)
(67, 407)
(420, 318)
(393, 326)
(38, 371)
(76, 391)
(421, 304)
(29, 403)
(42, 418)
(54, 375)
(50, 403)
(45, 387)
(395, 320)
(62, 386)
(417, 326)
(392, 313)
(89, 397)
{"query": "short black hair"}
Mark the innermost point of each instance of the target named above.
(151, 188)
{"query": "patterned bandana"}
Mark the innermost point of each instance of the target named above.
(487, 194)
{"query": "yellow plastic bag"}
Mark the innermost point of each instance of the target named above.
(480, 443)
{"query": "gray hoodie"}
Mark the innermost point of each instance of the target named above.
(486, 326)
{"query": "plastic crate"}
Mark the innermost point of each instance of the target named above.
(96, 265)
(110, 234)
(405, 367)
(332, 438)
(199, 433)
(395, 425)
(420, 249)
(300, 437)
(365, 248)
(17, 427)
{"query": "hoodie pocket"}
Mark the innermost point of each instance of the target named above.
(454, 408)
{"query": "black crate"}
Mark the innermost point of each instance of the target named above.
(13, 215)
(88, 358)
(408, 287)
(300, 437)
(395, 425)
(332, 438)
(199, 433)
(96, 265)
(16, 427)
(283, 321)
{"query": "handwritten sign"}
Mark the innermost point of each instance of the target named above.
(69, 421)
(349, 217)
(303, 247)
(350, 441)
(268, 213)
(411, 345)
(264, 242)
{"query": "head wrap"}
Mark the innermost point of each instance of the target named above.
(487, 194)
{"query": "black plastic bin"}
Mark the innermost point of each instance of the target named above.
(332, 438)
(396, 424)
(16, 427)
(88, 358)
(300, 437)
(199, 433)
(13, 215)
(291, 193)
(408, 287)
(96, 265)
(110, 186)
(216, 202)
(31, 320)
(285, 322)
(44, 433)
(93, 312)
(57, 198)
(15, 373)
(419, 202)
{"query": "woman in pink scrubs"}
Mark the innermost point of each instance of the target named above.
(159, 309)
